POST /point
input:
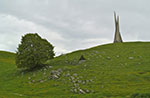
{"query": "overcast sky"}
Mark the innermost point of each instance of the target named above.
(72, 24)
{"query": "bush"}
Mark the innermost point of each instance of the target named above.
(33, 51)
(140, 95)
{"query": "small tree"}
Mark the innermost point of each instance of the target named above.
(33, 51)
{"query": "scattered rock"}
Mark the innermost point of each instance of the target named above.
(108, 58)
(29, 78)
(55, 84)
(131, 58)
(50, 67)
(82, 59)
(79, 81)
(72, 78)
(68, 74)
(87, 81)
(118, 56)
(91, 80)
(66, 61)
(82, 91)
(96, 52)
(76, 85)
(87, 91)
(140, 56)
(75, 74)
(44, 73)
(41, 81)
(102, 86)
(75, 90)
(103, 52)
(83, 82)
(33, 81)
(55, 74)
(18, 94)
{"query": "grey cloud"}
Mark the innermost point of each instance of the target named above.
(77, 21)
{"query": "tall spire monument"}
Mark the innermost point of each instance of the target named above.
(117, 37)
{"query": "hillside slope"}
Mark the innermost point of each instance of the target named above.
(113, 70)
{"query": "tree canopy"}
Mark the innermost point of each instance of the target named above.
(33, 51)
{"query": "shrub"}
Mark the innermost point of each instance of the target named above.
(33, 51)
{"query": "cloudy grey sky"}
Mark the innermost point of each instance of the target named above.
(72, 24)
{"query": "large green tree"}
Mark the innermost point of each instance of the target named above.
(33, 51)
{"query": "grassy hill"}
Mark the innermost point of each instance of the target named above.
(109, 71)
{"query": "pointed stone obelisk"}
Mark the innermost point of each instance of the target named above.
(117, 38)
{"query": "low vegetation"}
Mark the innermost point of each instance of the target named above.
(120, 70)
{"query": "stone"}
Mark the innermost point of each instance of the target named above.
(81, 61)
(75, 74)
(29, 78)
(118, 56)
(83, 82)
(96, 52)
(87, 81)
(103, 52)
(44, 73)
(33, 80)
(50, 67)
(117, 38)
(41, 81)
(131, 58)
(108, 58)
(68, 74)
(85, 65)
(87, 91)
(75, 90)
(59, 70)
(54, 77)
(76, 85)
(72, 78)
(140, 56)
(90, 80)
(79, 81)
(82, 91)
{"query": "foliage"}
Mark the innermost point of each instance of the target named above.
(33, 51)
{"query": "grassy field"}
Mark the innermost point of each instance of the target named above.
(109, 71)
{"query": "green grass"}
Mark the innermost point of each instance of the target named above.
(110, 71)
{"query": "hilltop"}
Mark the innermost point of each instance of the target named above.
(109, 71)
